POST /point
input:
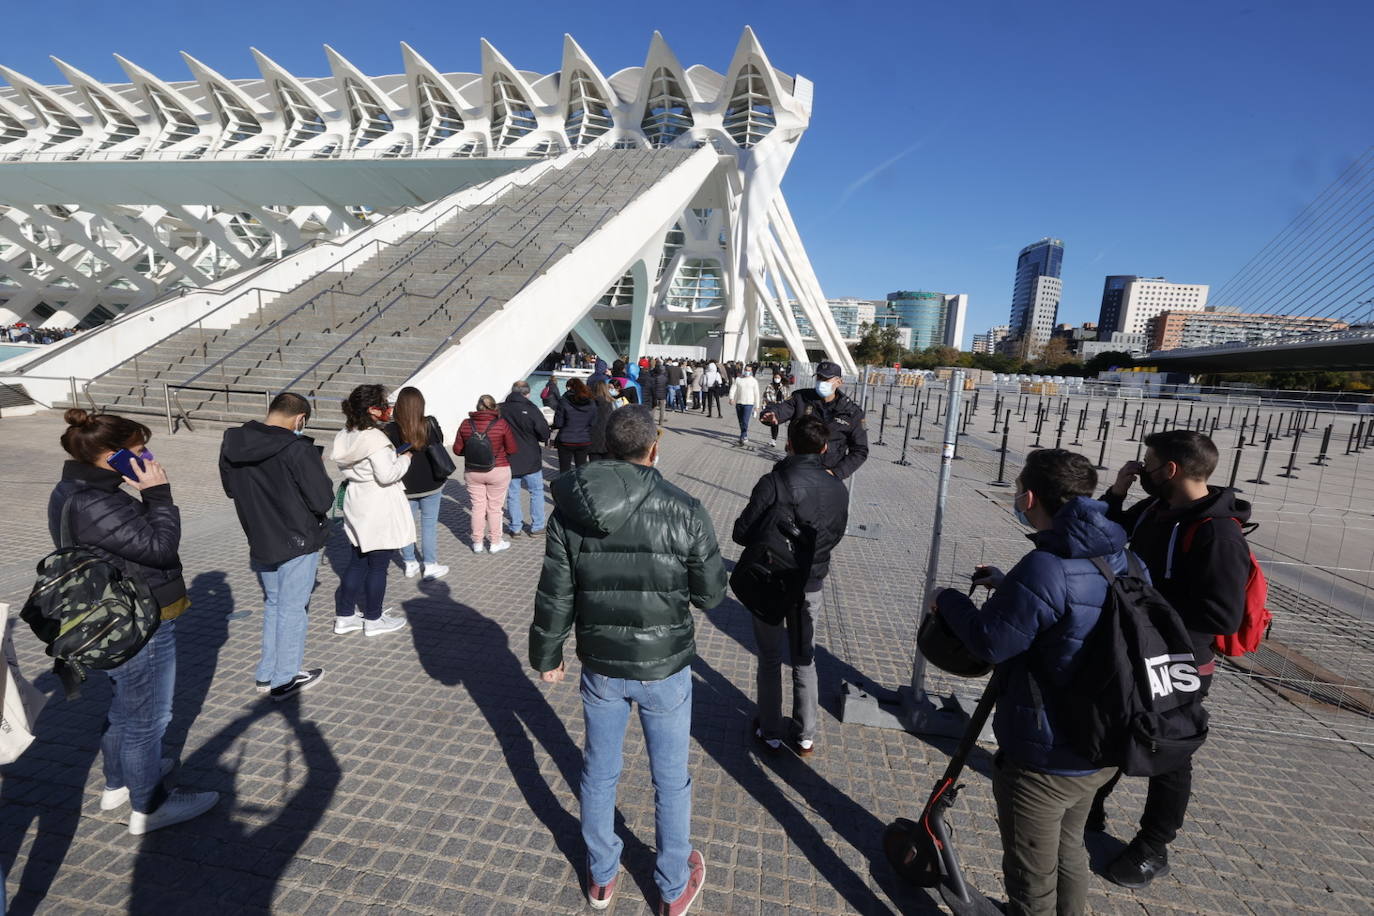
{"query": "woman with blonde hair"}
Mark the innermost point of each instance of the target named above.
(424, 483)
(376, 514)
(485, 441)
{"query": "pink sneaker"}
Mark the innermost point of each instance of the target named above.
(599, 895)
(696, 880)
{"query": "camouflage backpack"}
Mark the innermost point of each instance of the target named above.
(88, 611)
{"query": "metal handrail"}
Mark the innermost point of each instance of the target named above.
(185, 415)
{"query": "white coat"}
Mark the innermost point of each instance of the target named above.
(745, 390)
(377, 515)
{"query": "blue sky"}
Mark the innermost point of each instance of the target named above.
(1166, 138)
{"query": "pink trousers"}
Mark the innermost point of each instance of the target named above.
(486, 497)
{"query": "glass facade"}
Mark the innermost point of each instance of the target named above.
(1034, 305)
(924, 312)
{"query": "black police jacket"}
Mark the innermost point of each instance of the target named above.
(848, 434)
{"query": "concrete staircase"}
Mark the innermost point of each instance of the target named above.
(382, 321)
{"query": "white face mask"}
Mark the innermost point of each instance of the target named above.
(825, 388)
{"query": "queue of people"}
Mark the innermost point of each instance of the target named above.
(627, 555)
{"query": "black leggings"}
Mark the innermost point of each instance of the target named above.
(568, 454)
(712, 398)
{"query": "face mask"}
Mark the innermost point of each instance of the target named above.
(1151, 486)
(825, 388)
(299, 430)
(1021, 513)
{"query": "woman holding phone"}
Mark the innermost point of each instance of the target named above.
(141, 537)
(376, 513)
(424, 489)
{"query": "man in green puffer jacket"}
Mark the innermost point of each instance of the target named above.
(627, 556)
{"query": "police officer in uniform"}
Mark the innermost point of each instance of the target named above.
(848, 447)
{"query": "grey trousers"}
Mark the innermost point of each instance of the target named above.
(774, 644)
(1041, 817)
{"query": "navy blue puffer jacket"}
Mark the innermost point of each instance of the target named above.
(1035, 624)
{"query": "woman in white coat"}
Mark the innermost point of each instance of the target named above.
(377, 516)
(713, 382)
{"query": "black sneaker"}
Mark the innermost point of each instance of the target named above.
(303, 681)
(1137, 866)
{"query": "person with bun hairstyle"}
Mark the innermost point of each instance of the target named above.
(376, 513)
(141, 537)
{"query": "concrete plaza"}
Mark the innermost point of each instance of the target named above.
(432, 773)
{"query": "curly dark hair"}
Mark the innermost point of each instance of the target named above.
(359, 402)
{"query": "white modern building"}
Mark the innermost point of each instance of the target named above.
(500, 206)
(991, 339)
(849, 314)
(1132, 303)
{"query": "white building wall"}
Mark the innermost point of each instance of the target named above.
(1144, 298)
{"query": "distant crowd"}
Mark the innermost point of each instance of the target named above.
(21, 332)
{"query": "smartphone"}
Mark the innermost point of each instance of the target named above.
(403, 448)
(123, 461)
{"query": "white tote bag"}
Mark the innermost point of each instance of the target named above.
(20, 701)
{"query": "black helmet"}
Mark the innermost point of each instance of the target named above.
(943, 649)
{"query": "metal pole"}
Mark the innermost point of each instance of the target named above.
(1293, 457)
(167, 402)
(1102, 452)
(1235, 465)
(71, 379)
(1326, 443)
(1258, 479)
(956, 385)
(882, 427)
(1001, 480)
(905, 439)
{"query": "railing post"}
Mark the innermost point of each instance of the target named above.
(956, 385)
(75, 401)
(167, 402)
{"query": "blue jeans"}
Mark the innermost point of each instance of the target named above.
(674, 397)
(744, 412)
(665, 714)
(363, 582)
(535, 484)
(286, 590)
(426, 511)
(131, 749)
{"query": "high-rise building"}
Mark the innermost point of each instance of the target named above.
(1187, 328)
(935, 319)
(1130, 303)
(850, 315)
(991, 339)
(1035, 295)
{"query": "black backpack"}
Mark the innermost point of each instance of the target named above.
(1137, 701)
(770, 577)
(478, 454)
(88, 611)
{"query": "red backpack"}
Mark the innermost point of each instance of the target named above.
(1255, 624)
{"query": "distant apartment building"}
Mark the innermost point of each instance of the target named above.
(1035, 296)
(1210, 328)
(991, 339)
(1115, 342)
(849, 314)
(1130, 303)
(1076, 335)
(935, 319)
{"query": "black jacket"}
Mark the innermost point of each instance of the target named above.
(674, 375)
(1205, 584)
(656, 382)
(603, 413)
(822, 506)
(280, 490)
(549, 394)
(141, 538)
(574, 420)
(419, 480)
(848, 434)
(531, 432)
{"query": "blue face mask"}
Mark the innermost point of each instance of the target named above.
(825, 388)
(1020, 513)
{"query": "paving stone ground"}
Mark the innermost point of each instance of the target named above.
(432, 773)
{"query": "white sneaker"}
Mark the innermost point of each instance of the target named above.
(179, 806)
(110, 799)
(478, 548)
(500, 546)
(383, 624)
(412, 569)
(350, 624)
(437, 571)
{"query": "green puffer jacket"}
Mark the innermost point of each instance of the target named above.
(627, 553)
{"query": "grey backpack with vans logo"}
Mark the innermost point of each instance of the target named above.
(88, 611)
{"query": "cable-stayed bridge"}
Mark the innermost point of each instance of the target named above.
(1318, 271)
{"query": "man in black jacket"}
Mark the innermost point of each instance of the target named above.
(276, 478)
(527, 464)
(821, 511)
(848, 447)
(1190, 537)
(675, 376)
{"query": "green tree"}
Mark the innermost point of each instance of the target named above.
(1105, 361)
(877, 346)
(1053, 355)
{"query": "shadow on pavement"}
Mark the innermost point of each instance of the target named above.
(851, 821)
